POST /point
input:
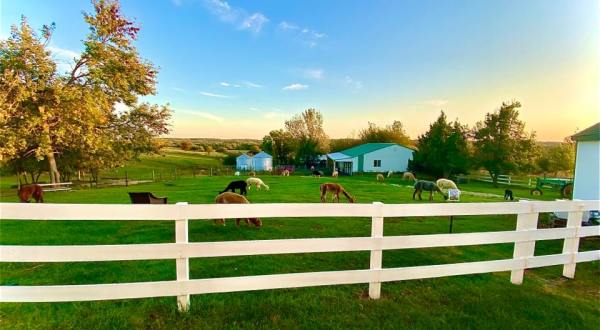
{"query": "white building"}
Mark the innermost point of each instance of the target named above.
(262, 161)
(372, 157)
(587, 164)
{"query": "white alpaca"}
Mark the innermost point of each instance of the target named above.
(446, 184)
(409, 176)
(389, 174)
(380, 177)
(335, 173)
(256, 182)
(237, 173)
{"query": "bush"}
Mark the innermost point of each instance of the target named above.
(230, 158)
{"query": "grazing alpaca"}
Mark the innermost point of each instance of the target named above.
(409, 176)
(233, 198)
(256, 182)
(285, 173)
(233, 185)
(252, 173)
(26, 192)
(335, 173)
(389, 174)
(380, 177)
(508, 194)
(427, 186)
(237, 173)
(317, 173)
(335, 189)
(446, 184)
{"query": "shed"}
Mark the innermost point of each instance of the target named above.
(243, 162)
(587, 164)
(372, 157)
(262, 161)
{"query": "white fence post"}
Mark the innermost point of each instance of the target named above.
(376, 253)
(525, 221)
(182, 264)
(571, 245)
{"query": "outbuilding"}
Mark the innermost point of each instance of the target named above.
(587, 164)
(372, 157)
(243, 162)
(262, 161)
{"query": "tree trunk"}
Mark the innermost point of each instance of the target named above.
(54, 174)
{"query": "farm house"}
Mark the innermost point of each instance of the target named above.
(587, 164)
(243, 162)
(372, 157)
(262, 161)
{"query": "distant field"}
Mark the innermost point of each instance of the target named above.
(545, 300)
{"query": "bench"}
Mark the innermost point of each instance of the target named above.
(146, 198)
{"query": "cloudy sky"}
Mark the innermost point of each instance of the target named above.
(240, 68)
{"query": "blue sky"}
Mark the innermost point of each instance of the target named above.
(240, 68)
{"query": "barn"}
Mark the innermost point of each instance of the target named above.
(372, 157)
(243, 162)
(262, 161)
(587, 164)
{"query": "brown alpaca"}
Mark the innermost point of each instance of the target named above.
(335, 189)
(233, 198)
(26, 192)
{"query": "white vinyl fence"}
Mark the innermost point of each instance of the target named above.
(524, 237)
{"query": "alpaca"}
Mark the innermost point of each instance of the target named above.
(256, 182)
(285, 173)
(446, 184)
(252, 173)
(237, 173)
(233, 198)
(317, 173)
(233, 185)
(508, 194)
(26, 192)
(335, 173)
(380, 177)
(335, 189)
(427, 186)
(389, 174)
(409, 176)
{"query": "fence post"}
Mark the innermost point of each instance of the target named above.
(126, 180)
(523, 250)
(376, 253)
(182, 264)
(571, 245)
(153, 176)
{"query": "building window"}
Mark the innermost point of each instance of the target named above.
(377, 163)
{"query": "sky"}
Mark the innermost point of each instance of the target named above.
(239, 69)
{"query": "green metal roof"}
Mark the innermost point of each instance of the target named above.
(591, 133)
(365, 148)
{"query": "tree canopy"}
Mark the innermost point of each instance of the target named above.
(391, 133)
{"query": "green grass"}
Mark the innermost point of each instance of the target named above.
(545, 299)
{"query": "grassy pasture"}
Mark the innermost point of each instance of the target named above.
(477, 301)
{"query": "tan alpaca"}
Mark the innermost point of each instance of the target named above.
(258, 183)
(233, 198)
(335, 173)
(335, 189)
(380, 177)
(409, 176)
(285, 173)
(446, 184)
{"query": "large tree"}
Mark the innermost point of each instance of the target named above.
(390, 133)
(280, 145)
(443, 150)
(556, 158)
(46, 113)
(308, 135)
(501, 144)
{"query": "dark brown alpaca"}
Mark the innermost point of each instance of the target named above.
(32, 190)
(335, 189)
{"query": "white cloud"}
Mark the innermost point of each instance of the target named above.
(238, 16)
(306, 36)
(317, 74)
(215, 95)
(435, 103)
(64, 58)
(295, 87)
(251, 84)
(228, 84)
(202, 114)
(288, 26)
(356, 84)
(254, 23)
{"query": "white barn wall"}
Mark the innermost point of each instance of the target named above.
(393, 158)
(587, 171)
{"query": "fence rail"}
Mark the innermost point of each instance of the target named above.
(524, 237)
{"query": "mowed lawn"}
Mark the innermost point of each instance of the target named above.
(544, 300)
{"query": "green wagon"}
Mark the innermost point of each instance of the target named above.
(564, 185)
